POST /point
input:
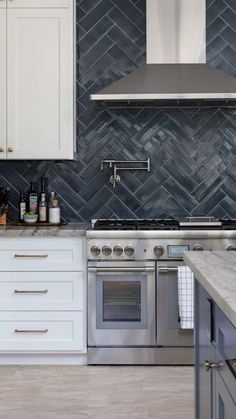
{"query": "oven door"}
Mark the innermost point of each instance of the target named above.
(169, 332)
(121, 304)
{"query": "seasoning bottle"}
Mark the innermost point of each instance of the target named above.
(32, 199)
(54, 210)
(43, 208)
(22, 207)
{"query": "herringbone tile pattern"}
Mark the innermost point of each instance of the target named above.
(193, 152)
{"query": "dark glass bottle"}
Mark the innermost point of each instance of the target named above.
(43, 181)
(22, 207)
(32, 199)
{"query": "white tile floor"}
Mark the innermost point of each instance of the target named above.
(67, 392)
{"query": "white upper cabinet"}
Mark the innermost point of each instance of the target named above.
(40, 79)
(3, 3)
(3, 97)
(37, 3)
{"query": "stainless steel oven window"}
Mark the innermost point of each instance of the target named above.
(121, 302)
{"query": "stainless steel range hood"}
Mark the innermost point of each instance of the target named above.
(176, 73)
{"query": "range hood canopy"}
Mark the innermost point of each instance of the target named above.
(176, 73)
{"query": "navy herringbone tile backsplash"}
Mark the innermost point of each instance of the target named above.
(193, 152)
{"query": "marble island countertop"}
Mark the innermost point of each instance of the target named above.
(216, 271)
(70, 230)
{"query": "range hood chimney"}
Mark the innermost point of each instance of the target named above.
(176, 73)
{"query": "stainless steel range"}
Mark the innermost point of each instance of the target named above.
(133, 311)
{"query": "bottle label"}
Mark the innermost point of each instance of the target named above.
(22, 210)
(43, 214)
(33, 204)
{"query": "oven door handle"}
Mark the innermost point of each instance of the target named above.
(166, 269)
(145, 269)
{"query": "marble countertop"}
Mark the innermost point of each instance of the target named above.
(70, 230)
(216, 272)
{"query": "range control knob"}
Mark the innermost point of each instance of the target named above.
(159, 251)
(198, 247)
(106, 250)
(230, 248)
(95, 251)
(117, 250)
(129, 251)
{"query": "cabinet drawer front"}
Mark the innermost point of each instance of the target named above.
(41, 331)
(41, 291)
(50, 254)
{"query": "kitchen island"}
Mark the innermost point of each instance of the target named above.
(215, 333)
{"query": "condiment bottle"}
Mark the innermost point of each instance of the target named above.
(54, 210)
(43, 209)
(22, 207)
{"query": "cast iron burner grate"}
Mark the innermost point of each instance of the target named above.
(228, 224)
(158, 225)
(136, 225)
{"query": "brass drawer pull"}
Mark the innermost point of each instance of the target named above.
(2, 150)
(31, 256)
(31, 330)
(10, 150)
(31, 292)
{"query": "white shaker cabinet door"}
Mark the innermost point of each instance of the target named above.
(40, 83)
(3, 3)
(3, 67)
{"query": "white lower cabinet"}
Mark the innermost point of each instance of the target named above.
(41, 254)
(41, 291)
(41, 331)
(42, 298)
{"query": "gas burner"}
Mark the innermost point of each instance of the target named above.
(188, 223)
(228, 224)
(115, 225)
(158, 224)
(136, 225)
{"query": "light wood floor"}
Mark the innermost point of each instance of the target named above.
(85, 392)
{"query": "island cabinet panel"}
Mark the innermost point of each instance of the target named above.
(215, 339)
(225, 407)
(206, 352)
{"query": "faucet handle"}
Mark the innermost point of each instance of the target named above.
(114, 179)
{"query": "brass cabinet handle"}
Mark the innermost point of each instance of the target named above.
(31, 330)
(10, 149)
(31, 292)
(2, 150)
(30, 256)
(212, 365)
